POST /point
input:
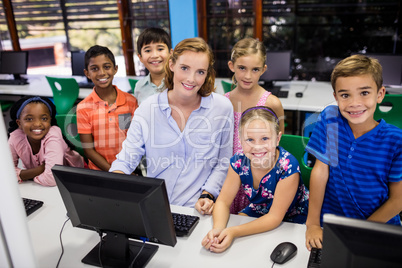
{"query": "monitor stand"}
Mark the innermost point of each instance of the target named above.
(118, 251)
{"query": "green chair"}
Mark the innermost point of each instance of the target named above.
(68, 125)
(227, 86)
(65, 93)
(132, 83)
(392, 103)
(296, 146)
(5, 105)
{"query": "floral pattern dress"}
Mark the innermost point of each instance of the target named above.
(261, 199)
(241, 200)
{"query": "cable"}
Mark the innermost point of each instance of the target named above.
(273, 265)
(100, 246)
(61, 241)
(138, 254)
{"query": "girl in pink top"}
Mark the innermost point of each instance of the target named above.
(36, 140)
(248, 64)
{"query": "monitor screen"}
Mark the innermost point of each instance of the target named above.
(391, 68)
(278, 66)
(78, 63)
(360, 243)
(122, 206)
(13, 62)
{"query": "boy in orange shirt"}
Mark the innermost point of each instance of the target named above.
(104, 116)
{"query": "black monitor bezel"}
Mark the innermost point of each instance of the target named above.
(5, 67)
(75, 66)
(389, 78)
(270, 74)
(351, 243)
(136, 207)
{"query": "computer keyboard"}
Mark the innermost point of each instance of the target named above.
(13, 82)
(85, 85)
(315, 258)
(283, 94)
(31, 205)
(184, 224)
(276, 91)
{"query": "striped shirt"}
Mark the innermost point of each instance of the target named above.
(359, 169)
(107, 124)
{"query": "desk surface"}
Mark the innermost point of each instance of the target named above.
(251, 251)
(310, 101)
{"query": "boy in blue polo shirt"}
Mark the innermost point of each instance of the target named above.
(358, 171)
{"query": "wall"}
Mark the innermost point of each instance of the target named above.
(183, 20)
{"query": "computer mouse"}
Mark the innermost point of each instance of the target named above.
(299, 94)
(283, 252)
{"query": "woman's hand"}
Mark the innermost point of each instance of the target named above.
(204, 206)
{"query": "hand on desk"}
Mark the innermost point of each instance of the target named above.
(218, 240)
(313, 237)
(204, 206)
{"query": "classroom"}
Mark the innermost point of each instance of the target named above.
(290, 56)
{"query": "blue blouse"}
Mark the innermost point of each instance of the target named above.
(261, 199)
(189, 161)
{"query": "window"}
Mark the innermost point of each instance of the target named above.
(145, 14)
(49, 29)
(319, 33)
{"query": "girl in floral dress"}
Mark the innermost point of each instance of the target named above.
(269, 176)
(247, 62)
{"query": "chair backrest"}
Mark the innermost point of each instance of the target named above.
(390, 110)
(68, 125)
(296, 146)
(132, 83)
(227, 86)
(65, 93)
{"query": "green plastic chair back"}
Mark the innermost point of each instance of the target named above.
(392, 103)
(68, 125)
(227, 86)
(132, 83)
(5, 105)
(296, 146)
(65, 93)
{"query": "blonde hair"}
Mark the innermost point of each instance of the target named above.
(196, 44)
(246, 47)
(358, 65)
(259, 112)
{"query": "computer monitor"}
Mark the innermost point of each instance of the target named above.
(78, 66)
(16, 248)
(123, 207)
(391, 68)
(14, 62)
(353, 243)
(278, 68)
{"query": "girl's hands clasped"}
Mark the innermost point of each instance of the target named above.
(218, 240)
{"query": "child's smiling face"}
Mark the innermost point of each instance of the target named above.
(101, 71)
(35, 121)
(259, 141)
(357, 98)
(154, 56)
